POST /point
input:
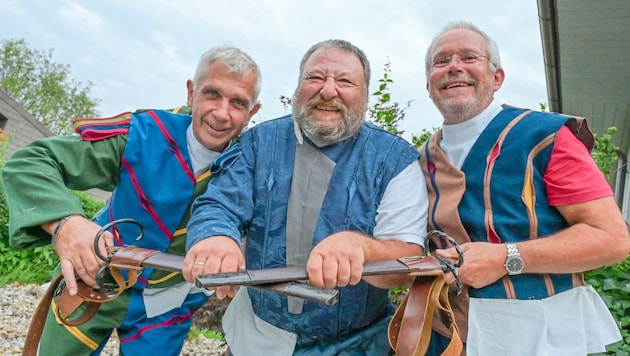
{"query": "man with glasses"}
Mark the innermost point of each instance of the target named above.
(521, 194)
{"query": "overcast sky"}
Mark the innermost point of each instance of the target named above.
(139, 53)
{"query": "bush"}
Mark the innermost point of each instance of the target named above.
(32, 265)
(613, 285)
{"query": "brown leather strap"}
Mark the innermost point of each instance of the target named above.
(410, 328)
(31, 343)
(128, 257)
(131, 257)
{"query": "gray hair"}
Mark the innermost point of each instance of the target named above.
(344, 46)
(494, 60)
(236, 60)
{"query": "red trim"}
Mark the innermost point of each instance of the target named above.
(173, 146)
(144, 201)
(174, 320)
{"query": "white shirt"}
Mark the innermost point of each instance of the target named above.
(158, 301)
(200, 157)
(575, 322)
(458, 139)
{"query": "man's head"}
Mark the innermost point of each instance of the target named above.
(463, 70)
(223, 95)
(331, 98)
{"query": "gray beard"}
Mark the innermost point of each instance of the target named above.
(348, 128)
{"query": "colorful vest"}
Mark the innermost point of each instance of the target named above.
(364, 167)
(499, 196)
(156, 182)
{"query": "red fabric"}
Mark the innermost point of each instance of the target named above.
(572, 175)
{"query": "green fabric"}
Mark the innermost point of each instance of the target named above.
(56, 340)
(38, 177)
(178, 243)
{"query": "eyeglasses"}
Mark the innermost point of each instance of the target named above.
(466, 59)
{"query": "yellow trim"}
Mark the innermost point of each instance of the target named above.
(203, 176)
(165, 278)
(74, 330)
(179, 232)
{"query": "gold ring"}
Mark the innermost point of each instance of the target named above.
(200, 263)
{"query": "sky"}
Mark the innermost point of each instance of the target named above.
(139, 54)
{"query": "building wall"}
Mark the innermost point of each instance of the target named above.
(23, 128)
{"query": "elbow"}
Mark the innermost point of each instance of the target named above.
(623, 245)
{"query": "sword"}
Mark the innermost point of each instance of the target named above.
(289, 287)
(134, 259)
(415, 265)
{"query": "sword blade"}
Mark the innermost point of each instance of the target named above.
(289, 274)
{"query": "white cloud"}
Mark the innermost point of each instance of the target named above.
(140, 53)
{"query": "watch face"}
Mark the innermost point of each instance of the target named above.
(514, 264)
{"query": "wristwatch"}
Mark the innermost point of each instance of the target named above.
(514, 263)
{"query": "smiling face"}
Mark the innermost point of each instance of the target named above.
(331, 100)
(462, 90)
(221, 103)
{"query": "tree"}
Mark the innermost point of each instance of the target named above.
(43, 87)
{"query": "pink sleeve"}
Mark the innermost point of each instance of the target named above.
(572, 175)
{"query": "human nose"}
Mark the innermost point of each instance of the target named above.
(329, 89)
(451, 60)
(221, 111)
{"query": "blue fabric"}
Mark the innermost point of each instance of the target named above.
(371, 341)
(512, 217)
(159, 162)
(161, 335)
(251, 198)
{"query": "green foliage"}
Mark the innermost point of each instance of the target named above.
(43, 87)
(384, 113)
(613, 285)
(194, 334)
(32, 265)
(605, 152)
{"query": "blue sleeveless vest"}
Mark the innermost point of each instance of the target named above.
(364, 167)
(510, 206)
(156, 183)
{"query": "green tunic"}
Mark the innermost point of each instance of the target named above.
(37, 180)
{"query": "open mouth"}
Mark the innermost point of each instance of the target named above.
(455, 85)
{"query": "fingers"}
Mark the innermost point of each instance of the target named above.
(214, 255)
(331, 272)
(75, 247)
(67, 269)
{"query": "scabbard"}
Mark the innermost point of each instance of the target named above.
(416, 265)
(174, 263)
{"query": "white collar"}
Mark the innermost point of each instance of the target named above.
(470, 129)
(200, 157)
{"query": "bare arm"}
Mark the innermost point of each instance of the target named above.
(338, 260)
(598, 236)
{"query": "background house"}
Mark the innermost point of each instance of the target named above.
(23, 128)
(586, 50)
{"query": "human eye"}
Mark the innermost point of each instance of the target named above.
(470, 58)
(239, 103)
(316, 78)
(441, 61)
(211, 93)
(345, 82)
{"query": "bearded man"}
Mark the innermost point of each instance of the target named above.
(324, 189)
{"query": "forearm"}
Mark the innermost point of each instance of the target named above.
(579, 248)
(390, 250)
(37, 180)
